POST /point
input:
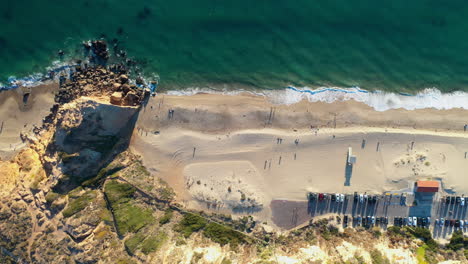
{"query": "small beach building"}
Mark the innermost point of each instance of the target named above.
(351, 158)
(427, 186)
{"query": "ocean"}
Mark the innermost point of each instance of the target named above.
(393, 46)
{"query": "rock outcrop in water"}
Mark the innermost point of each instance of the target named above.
(100, 52)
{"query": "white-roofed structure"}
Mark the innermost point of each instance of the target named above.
(351, 158)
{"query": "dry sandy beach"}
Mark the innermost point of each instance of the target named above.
(16, 116)
(235, 152)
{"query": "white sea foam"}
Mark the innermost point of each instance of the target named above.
(379, 100)
(57, 67)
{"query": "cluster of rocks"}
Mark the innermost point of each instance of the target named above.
(99, 48)
(101, 81)
(100, 53)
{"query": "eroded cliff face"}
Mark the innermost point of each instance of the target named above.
(88, 134)
(79, 139)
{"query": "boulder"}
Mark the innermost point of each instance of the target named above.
(126, 88)
(99, 49)
(140, 81)
(131, 99)
(116, 98)
(123, 78)
(116, 86)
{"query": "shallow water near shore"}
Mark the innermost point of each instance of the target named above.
(378, 100)
(391, 46)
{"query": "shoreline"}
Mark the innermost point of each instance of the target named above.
(377, 99)
(380, 100)
(231, 141)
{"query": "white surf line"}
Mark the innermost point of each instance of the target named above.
(379, 100)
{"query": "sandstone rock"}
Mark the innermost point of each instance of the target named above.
(116, 86)
(40, 199)
(88, 88)
(147, 92)
(116, 98)
(40, 221)
(27, 196)
(123, 78)
(125, 88)
(131, 99)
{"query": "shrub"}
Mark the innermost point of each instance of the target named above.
(378, 258)
(146, 244)
(224, 235)
(77, 204)
(131, 218)
(166, 217)
(153, 243)
(118, 192)
(190, 223)
(165, 192)
(425, 235)
(197, 256)
(376, 232)
(133, 242)
(51, 197)
(394, 230)
(226, 261)
(456, 241)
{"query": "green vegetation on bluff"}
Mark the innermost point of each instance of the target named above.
(129, 216)
(145, 243)
(224, 235)
(190, 223)
(378, 258)
(458, 241)
(166, 217)
(78, 202)
(218, 233)
(118, 192)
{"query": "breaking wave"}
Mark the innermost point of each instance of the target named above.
(54, 72)
(379, 100)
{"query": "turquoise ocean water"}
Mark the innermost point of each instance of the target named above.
(397, 45)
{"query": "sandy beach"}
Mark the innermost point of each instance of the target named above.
(18, 116)
(237, 152)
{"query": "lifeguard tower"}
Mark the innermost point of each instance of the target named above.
(351, 159)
